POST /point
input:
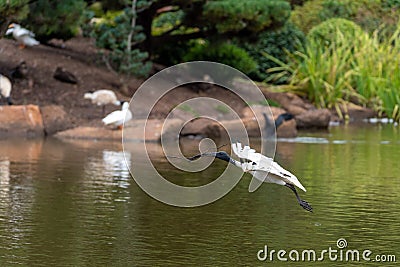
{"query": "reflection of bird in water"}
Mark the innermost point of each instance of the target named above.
(262, 168)
(117, 163)
(4, 177)
(111, 168)
(22, 35)
(272, 126)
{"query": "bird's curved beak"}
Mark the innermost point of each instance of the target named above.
(11, 26)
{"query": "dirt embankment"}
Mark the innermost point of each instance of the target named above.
(62, 104)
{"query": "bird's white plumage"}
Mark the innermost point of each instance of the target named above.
(103, 97)
(5, 86)
(118, 117)
(263, 168)
(22, 35)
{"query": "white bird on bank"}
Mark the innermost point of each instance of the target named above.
(119, 117)
(23, 36)
(102, 97)
(5, 89)
(262, 168)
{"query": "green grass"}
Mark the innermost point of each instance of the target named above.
(189, 109)
(264, 102)
(222, 109)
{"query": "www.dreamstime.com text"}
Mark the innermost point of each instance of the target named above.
(338, 253)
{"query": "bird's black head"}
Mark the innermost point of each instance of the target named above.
(223, 155)
(281, 118)
(287, 116)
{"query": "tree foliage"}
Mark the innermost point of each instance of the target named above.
(11, 10)
(169, 28)
(326, 32)
(250, 15)
(369, 14)
(47, 19)
(55, 19)
(163, 30)
(121, 38)
(214, 19)
(273, 42)
(225, 53)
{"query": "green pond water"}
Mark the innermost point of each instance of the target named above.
(75, 204)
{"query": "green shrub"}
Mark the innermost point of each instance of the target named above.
(55, 19)
(319, 73)
(97, 9)
(369, 14)
(391, 4)
(376, 76)
(275, 43)
(112, 36)
(225, 53)
(172, 52)
(10, 11)
(307, 16)
(253, 15)
(327, 32)
(167, 21)
(365, 68)
(338, 9)
(314, 12)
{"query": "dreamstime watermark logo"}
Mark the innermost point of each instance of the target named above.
(339, 253)
(157, 87)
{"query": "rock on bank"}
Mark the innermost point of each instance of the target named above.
(21, 121)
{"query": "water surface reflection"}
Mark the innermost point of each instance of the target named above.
(74, 204)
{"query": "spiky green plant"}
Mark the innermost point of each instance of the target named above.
(376, 65)
(320, 73)
(364, 69)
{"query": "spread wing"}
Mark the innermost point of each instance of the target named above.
(258, 163)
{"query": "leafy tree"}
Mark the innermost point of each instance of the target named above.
(276, 43)
(47, 19)
(369, 14)
(120, 38)
(327, 31)
(55, 19)
(213, 19)
(168, 28)
(11, 10)
(225, 53)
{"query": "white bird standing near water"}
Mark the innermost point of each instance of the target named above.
(118, 117)
(102, 97)
(23, 36)
(262, 168)
(5, 89)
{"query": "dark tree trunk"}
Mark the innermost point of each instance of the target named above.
(3, 26)
(145, 19)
